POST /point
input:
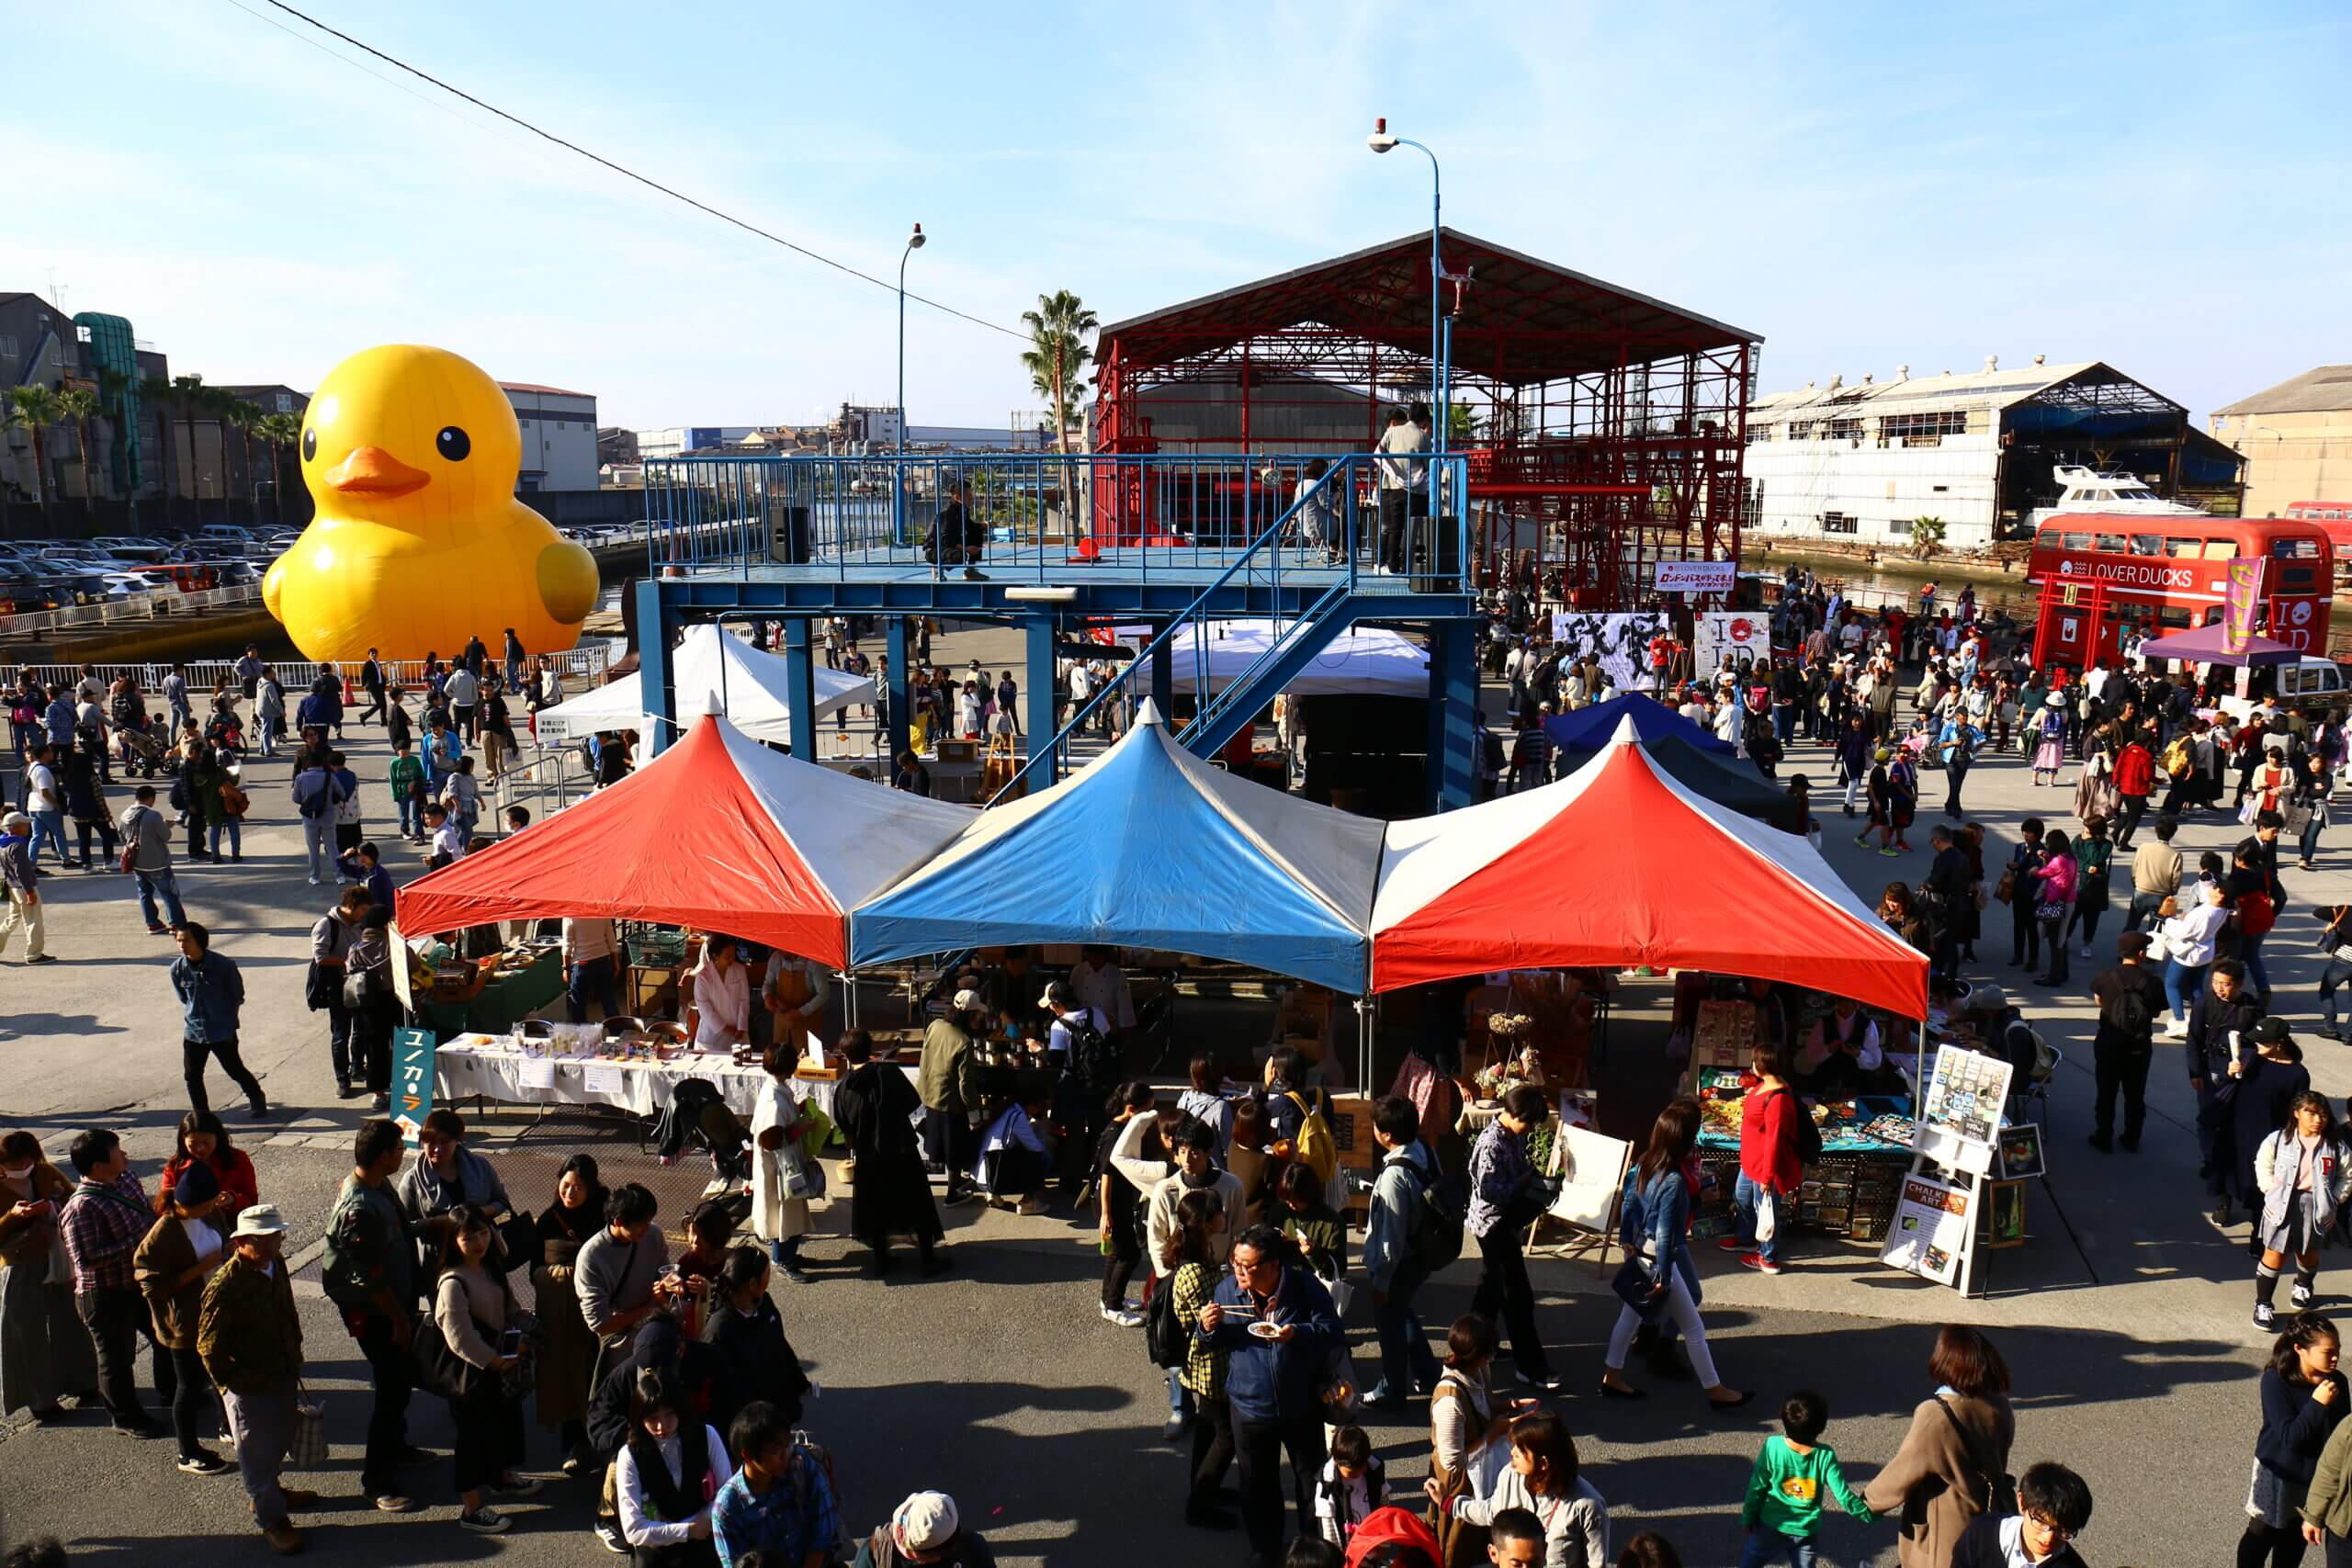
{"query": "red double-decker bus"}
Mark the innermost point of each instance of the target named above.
(2165, 572)
(2335, 516)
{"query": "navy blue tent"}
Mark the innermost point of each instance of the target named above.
(1588, 728)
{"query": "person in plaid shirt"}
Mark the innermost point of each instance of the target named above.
(102, 1223)
(779, 1504)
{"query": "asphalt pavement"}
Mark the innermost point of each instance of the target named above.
(2124, 1316)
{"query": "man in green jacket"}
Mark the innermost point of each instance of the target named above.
(251, 1342)
(950, 1096)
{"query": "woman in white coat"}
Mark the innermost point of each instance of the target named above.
(785, 1174)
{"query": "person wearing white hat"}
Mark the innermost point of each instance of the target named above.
(249, 1339)
(947, 1082)
(924, 1529)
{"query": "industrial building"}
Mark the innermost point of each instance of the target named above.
(558, 436)
(1862, 462)
(2296, 440)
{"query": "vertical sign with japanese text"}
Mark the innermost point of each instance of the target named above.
(2241, 602)
(413, 1078)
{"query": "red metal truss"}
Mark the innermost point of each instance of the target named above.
(1612, 425)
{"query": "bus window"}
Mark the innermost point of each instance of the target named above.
(2182, 549)
(2147, 545)
(2294, 549)
(2075, 542)
(2172, 615)
(2110, 544)
(2221, 549)
(2298, 577)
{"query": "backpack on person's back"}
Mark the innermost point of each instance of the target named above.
(1440, 1208)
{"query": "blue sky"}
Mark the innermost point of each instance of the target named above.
(2162, 187)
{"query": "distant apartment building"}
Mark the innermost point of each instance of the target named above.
(2297, 439)
(1862, 462)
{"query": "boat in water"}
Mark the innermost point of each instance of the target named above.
(2094, 490)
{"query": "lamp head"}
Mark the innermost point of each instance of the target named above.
(1380, 140)
(914, 240)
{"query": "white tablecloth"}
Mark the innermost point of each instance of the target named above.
(488, 1065)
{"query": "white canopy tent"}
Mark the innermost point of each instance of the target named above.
(1364, 662)
(715, 672)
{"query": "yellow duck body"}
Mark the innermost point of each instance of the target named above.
(412, 455)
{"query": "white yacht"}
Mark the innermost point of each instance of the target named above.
(2090, 490)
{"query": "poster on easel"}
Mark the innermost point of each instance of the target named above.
(1960, 1113)
(1935, 1223)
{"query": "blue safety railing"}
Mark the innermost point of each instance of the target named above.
(1326, 528)
(1046, 519)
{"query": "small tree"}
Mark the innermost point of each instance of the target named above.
(80, 405)
(36, 410)
(280, 431)
(1927, 536)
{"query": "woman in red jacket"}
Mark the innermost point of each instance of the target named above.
(2135, 780)
(1770, 1159)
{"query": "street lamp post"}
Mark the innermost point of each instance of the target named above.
(1381, 141)
(915, 244)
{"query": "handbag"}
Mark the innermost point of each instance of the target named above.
(321, 987)
(307, 1447)
(2299, 817)
(2006, 890)
(1637, 1290)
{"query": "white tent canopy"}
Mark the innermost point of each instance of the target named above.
(1366, 661)
(714, 672)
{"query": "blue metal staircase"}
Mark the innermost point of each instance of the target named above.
(1219, 716)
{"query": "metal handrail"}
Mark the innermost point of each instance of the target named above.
(1189, 616)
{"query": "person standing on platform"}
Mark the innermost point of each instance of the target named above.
(2131, 999)
(949, 1088)
(1397, 479)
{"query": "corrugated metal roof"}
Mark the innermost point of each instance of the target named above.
(1976, 389)
(2327, 390)
(1524, 321)
(543, 392)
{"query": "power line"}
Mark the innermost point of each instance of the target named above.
(650, 183)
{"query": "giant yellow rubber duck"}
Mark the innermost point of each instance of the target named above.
(411, 456)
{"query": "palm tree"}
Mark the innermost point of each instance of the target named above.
(191, 392)
(237, 411)
(80, 405)
(1055, 358)
(158, 390)
(36, 410)
(280, 431)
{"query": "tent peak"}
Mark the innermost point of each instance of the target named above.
(1626, 733)
(1148, 712)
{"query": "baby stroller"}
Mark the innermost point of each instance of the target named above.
(142, 755)
(697, 1115)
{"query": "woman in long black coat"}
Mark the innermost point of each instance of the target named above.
(2257, 1108)
(890, 1195)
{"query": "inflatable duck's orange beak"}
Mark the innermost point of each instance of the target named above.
(372, 471)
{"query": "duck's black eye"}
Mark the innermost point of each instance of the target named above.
(453, 442)
(310, 445)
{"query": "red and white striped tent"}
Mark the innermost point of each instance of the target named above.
(719, 833)
(1620, 864)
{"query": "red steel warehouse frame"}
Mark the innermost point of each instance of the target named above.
(1609, 426)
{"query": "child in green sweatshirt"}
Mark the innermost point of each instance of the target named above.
(1783, 1508)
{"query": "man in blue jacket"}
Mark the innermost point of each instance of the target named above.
(1393, 1269)
(213, 993)
(1276, 1324)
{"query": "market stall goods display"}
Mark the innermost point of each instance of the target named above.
(492, 994)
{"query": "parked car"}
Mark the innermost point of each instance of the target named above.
(228, 533)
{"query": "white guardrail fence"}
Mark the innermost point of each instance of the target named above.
(162, 604)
